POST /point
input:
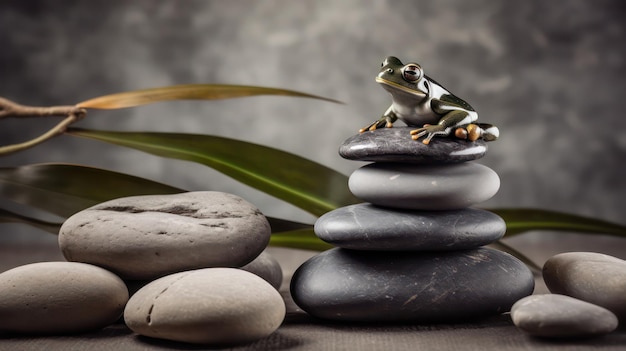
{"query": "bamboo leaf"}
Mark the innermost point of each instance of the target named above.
(186, 92)
(301, 182)
(7, 216)
(64, 189)
(299, 239)
(281, 225)
(522, 220)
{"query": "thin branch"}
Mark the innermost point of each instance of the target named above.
(10, 109)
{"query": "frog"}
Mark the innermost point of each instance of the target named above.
(419, 101)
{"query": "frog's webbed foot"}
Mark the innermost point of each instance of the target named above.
(385, 121)
(430, 131)
(473, 132)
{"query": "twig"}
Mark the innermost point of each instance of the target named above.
(9, 109)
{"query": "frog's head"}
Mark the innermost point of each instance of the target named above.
(400, 79)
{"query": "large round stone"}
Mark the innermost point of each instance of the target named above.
(145, 237)
(593, 277)
(59, 298)
(368, 227)
(206, 306)
(395, 145)
(368, 286)
(420, 187)
(560, 316)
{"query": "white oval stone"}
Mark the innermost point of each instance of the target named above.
(146, 237)
(206, 306)
(422, 187)
(59, 298)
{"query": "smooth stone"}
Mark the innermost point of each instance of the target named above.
(395, 145)
(368, 227)
(206, 306)
(266, 267)
(370, 286)
(59, 298)
(420, 187)
(560, 316)
(146, 237)
(593, 277)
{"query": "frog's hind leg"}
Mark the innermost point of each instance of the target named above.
(475, 131)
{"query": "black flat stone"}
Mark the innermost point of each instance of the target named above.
(367, 227)
(366, 286)
(395, 145)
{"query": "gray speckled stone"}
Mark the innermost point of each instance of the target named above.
(370, 286)
(421, 187)
(59, 298)
(395, 145)
(560, 316)
(206, 306)
(145, 237)
(368, 227)
(593, 277)
(266, 267)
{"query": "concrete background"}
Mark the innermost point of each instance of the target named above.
(549, 74)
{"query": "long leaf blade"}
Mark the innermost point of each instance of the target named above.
(7, 216)
(299, 239)
(522, 220)
(186, 92)
(64, 189)
(299, 181)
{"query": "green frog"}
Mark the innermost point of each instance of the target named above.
(418, 100)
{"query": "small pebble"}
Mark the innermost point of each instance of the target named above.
(593, 277)
(59, 298)
(368, 227)
(420, 187)
(560, 316)
(395, 145)
(220, 306)
(376, 286)
(146, 237)
(266, 267)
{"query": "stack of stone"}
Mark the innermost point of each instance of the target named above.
(414, 252)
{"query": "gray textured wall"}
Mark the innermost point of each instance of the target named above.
(549, 74)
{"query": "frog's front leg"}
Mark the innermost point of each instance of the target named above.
(386, 120)
(444, 127)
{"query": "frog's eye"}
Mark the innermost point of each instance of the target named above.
(412, 72)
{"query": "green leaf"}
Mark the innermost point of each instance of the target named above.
(301, 182)
(299, 239)
(7, 216)
(282, 225)
(522, 220)
(186, 92)
(64, 189)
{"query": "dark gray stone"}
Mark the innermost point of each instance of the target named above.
(368, 227)
(421, 187)
(560, 316)
(369, 286)
(593, 277)
(396, 145)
